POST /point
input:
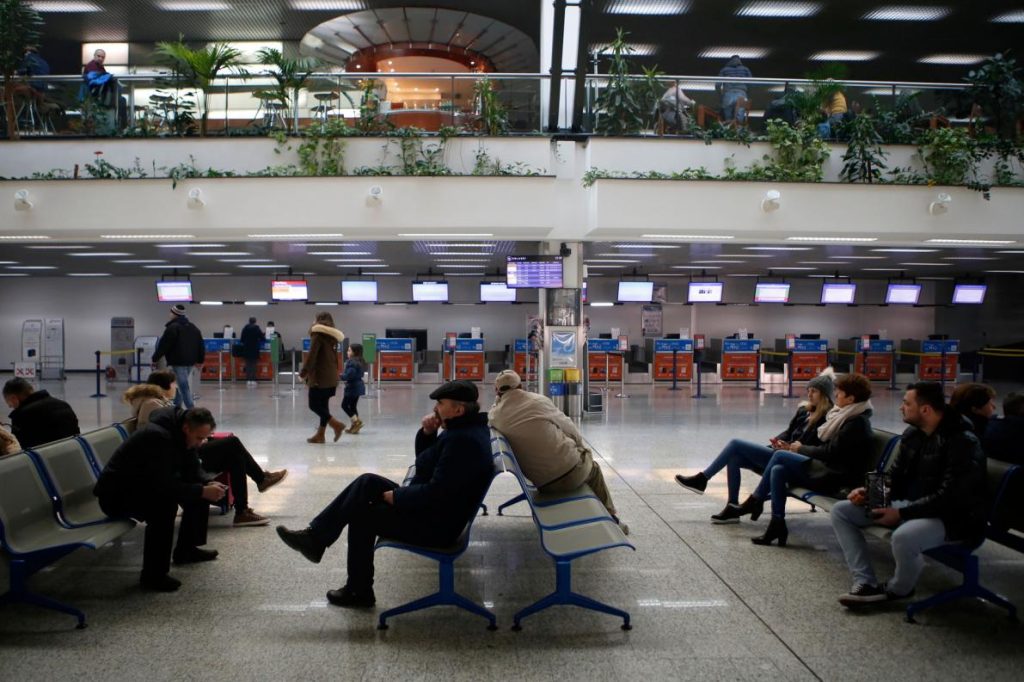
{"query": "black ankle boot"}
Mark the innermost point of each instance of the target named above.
(752, 506)
(776, 531)
(698, 483)
(730, 514)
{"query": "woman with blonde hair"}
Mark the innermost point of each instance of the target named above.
(320, 372)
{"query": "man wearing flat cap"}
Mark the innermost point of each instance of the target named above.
(547, 445)
(453, 470)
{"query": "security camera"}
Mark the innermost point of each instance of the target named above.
(195, 199)
(21, 201)
(941, 204)
(770, 202)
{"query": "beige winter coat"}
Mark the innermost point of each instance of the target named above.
(321, 367)
(8, 443)
(546, 443)
(144, 398)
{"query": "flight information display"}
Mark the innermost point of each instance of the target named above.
(289, 290)
(771, 292)
(430, 291)
(906, 294)
(838, 293)
(705, 292)
(534, 272)
(969, 293)
(496, 292)
(358, 291)
(174, 292)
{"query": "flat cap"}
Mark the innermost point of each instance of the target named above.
(461, 390)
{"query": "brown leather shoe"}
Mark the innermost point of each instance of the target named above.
(248, 517)
(317, 437)
(337, 427)
(270, 479)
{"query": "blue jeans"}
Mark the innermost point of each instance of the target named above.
(784, 470)
(184, 394)
(736, 455)
(729, 109)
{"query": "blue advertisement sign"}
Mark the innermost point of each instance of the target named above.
(741, 345)
(521, 346)
(881, 346)
(305, 345)
(215, 345)
(472, 345)
(669, 345)
(810, 346)
(603, 346)
(951, 346)
(394, 344)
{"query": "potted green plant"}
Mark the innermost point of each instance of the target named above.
(290, 75)
(19, 28)
(619, 105)
(198, 68)
(864, 159)
(493, 117)
(996, 86)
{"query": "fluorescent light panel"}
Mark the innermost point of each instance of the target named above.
(997, 242)
(844, 56)
(646, 246)
(647, 7)
(151, 236)
(101, 254)
(66, 7)
(779, 10)
(435, 235)
(88, 274)
(31, 267)
(142, 261)
(688, 236)
(852, 240)
(777, 248)
(192, 5)
(339, 253)
(907, 13)
(191, 246)
(56, 247)
(636, 50)
(1013, 17)
(905, 250)
(325, 5)
(168, 267)
(726, 52)
(953, 59)
(296, 235)
(21, 237)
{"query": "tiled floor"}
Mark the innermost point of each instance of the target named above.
(705, 602)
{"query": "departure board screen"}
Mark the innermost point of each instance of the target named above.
(534, 272)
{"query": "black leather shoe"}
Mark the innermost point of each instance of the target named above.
(194, 555)
(302, 541)
(777, 530)
(730, 514)
(752, 506)
(159, 583)
(698, 483)
(346, 596)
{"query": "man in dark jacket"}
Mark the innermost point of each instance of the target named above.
(153, 473)
(1004, 438)
(38, 417)
(733, 92)
(182, 345)
(453, 471)
(937, 497)
(252, 339)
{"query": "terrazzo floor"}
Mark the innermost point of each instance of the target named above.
(706, 603)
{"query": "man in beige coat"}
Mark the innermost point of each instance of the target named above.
(547, 445)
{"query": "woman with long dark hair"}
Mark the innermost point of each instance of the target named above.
(320, 372)
(354, 386)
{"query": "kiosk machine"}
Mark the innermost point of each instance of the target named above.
(741, 358)
(218, 357)
(810, 357)
(932, 356)
(265, 365)
(468, 355)
(523, 362)
(874, 358)
(395, 360)
(673, 359)
(604, 361)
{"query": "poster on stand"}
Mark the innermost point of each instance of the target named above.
(563, 349)
(651, 319)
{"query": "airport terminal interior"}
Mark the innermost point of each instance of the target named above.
(591, 194)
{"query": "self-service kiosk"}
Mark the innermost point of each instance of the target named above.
(673, 359)
(468, 356)
(524, 362)
(604, 361)
(740, 358)
(809, 357)
(874, 358)
(395, 361)
(933, 357)
(217, 362)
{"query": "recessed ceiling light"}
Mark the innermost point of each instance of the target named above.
(1006, 272)
(1009, 251)
(715, 262)
(265, 266)
(696, 267)
(209, 274)
(605, 267)
(791, 267)
(646, 246)
(296, 235)
(140, 261)
(630, 255)
(325, 5)
(907, 13)
(853, 240)
(844, 56)
(905, 250)
(88, 274)
(823, 262)
(778, 10)
(56, 247)
(192, 5)
(31, 267)
(953, 59)
(22, 237)
(211, 303)
(167, 267)
(460, 253)
(822, 276)
(217, 253)
(467, 245)
(339, 253)
(8, 262)
(777, 248)
(893, 269)
(647, 7)
(1013, 17)
(256, 303)
(361, 265)
(743, 274)
(946, 265)
(191, 246)
(858, 257)
(632, 49)
(609, 260)
(150, 236)
(13, 274)
(745, 255)
(100, 254)
(64, 6)
(386, 274)
(354, 260)
(969, 258)
(688, 236)
(996, 242)
(462, 260)
(244, 260)
(725, 52)
(434, 235)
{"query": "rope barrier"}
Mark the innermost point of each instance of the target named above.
(773, 352)
(117, 352)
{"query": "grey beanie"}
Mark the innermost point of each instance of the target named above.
(823, 382)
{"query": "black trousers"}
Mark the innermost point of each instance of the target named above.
(250, 369)
(159, 514)
(360, 507)
(348, 405)
(319, 403)
(228, 454)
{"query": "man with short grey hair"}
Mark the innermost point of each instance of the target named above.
(547, 445)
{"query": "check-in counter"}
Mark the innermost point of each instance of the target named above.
(604, 360)
(875, 359)
(673, 359)
(217, 361)
(468, 356)
(395, 361)
(931, 356)
(740, 358)
(809, 357)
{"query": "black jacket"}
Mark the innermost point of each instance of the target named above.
(1004, 439)
(840, 462)
(181, 344)
(798, 431)
(453, 471)
(948, 468)
(156, 460)
(41, 418)
(252, 338)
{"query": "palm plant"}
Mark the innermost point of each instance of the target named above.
(290, 75)
(619, 104)
(19, 28)
(199, 68)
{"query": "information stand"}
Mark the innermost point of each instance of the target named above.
(603, 361)
(264, 364)
(741, 359)
(217, 363)
(938, 354)
(673, 360)
(395, 360)
(810, 358)
(468, 355)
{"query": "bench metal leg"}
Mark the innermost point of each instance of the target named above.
(521, 497)
(20, 570)
(969, 589)
(563, 595)
(445, 596)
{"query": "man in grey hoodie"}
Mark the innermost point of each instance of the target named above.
(732, 93)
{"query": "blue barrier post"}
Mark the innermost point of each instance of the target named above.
(675, 371)
(789, 374)
(97, 394)
(696, 367)
(757, 373)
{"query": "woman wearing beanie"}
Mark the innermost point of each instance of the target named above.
(838, 460)
(741, 454)
(354, 386)
(320, 372)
